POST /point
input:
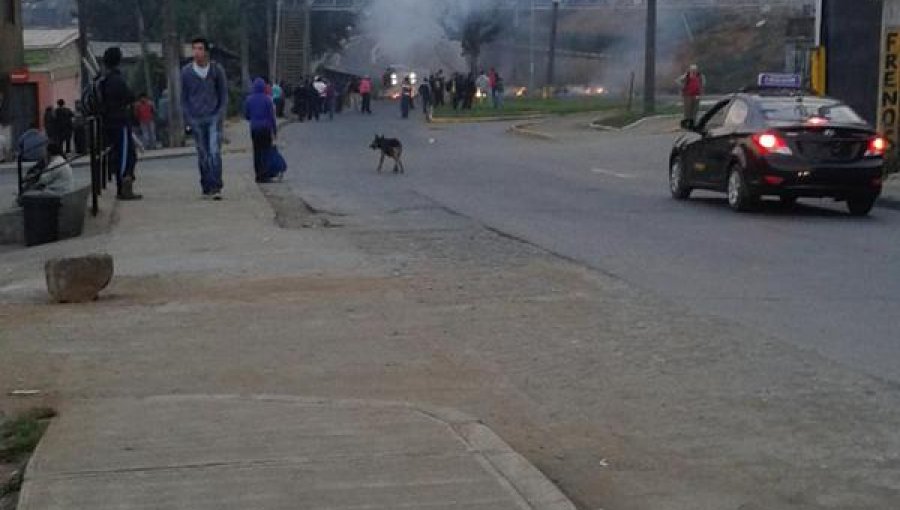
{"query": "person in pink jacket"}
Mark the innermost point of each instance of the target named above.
(365, 90)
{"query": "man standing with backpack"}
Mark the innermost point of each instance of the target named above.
(115, 102)
(204, 100)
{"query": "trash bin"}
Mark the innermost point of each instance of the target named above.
(41, 218)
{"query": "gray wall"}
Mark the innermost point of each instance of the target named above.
(851, 32)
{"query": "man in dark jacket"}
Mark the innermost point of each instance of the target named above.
(204, 99)
(427, 100)
(259, 110)
(65, 126)
(116, 101)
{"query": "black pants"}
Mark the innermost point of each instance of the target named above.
(367, 103)
(315, 108)
(81, 139)
(262, 142)
(122, 154)
(65, 141)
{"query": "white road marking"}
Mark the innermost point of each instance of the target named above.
(611, 173)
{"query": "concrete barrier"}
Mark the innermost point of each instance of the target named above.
(71, 218)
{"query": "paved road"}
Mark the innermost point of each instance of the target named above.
(811, 276)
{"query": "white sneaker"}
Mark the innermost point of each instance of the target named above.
(217, 196)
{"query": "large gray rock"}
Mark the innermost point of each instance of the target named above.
(79, 279)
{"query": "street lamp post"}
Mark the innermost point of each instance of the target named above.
(551, 62)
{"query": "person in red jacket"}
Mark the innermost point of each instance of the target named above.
(692, 85)
(146, 117)
(365, 90)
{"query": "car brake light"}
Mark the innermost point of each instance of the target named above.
(773, 180)
(877, 147)
(770, 143)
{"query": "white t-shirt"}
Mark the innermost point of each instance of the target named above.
(201, 71)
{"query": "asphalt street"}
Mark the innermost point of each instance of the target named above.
(810, 276)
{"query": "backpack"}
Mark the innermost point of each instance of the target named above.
(274, 163)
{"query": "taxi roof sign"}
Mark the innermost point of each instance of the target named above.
(780, 81)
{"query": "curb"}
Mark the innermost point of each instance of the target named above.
(889, 203)
(524, 130)
(603, 127)
(526, 483)
(179, 152)
(184, 152)
(475, 120)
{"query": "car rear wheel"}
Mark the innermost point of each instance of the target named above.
(677, 181)
(861, 206)
(739, 196)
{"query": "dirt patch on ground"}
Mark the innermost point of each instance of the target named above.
(19, 436)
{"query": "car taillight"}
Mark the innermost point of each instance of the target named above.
(877, 147)
(817, 121)
(771, 143)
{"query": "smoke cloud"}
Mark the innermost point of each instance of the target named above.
(409, 33)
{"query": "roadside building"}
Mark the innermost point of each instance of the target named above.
(53, 64)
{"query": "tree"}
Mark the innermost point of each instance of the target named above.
(474, 28)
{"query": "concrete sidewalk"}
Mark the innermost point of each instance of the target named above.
(191, 311)
(221, 453)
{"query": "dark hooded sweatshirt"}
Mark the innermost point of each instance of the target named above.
(259, 108)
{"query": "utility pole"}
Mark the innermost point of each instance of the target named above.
(650, 60)
(245, 46)
(83, 43)
(270, 37)
(307, 36)
(531, 76)
(551, 62)
(172, 53)
(145, 53)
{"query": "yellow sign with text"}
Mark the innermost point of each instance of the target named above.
(889, 93)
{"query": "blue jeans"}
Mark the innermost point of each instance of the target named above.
(208, 136)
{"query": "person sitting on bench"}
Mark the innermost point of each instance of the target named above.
(54, 176)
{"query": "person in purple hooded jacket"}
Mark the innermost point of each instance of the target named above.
(259, 109)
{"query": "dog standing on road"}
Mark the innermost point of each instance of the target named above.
(390, 148)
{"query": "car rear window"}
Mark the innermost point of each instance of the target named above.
(791, 110)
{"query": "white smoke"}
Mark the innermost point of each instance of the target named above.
(410, 33)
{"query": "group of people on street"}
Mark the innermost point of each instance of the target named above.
(319, 96)
(463, 90)
(466, 89)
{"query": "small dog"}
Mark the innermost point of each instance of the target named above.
(390, 148)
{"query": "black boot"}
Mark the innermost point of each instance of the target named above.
(126, 191)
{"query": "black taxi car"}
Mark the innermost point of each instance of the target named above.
(785, 143)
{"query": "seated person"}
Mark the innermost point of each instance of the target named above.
(54, 176)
